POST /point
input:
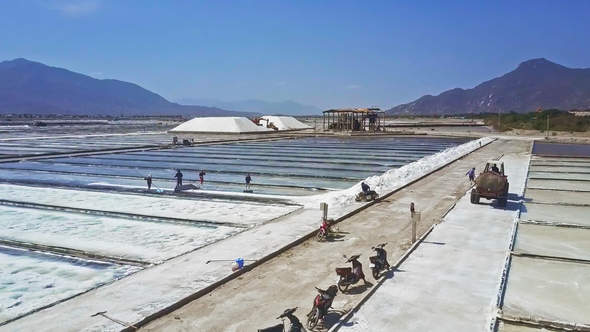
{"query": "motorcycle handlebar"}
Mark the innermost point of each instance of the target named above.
(287, 312)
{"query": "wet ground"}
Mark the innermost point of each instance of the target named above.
(563, 150)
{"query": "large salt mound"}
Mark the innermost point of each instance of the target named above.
(286, 122)
(220, 125)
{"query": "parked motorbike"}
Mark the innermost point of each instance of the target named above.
(321, 303)
(379, 262)
(324, 230)
(350, 275)
(295, 324)
(366, 196)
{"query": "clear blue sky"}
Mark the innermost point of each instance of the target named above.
(323, 53)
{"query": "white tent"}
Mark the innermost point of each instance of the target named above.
(285, 122)
(218, 125)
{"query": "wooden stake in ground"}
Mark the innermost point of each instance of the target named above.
(414, 218)
(324, 208)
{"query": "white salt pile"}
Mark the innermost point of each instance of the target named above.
(220, 125)
(285, 122)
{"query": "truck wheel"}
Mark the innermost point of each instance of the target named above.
(474, 197)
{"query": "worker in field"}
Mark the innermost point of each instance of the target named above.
(178, 177)
(202, 176)
(248, 180)
(495, 168)
(471, 174)
(365, 187)
(148, 179)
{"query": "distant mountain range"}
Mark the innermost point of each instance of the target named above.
(35, 88)
(536, 83)
(258, 106)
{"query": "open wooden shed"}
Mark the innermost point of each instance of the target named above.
(353, 119)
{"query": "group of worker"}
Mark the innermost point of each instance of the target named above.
(202, 174)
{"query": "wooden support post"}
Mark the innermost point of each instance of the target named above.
(415, 220)
(324, 208)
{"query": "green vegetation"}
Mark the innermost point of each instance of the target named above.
(558, 121)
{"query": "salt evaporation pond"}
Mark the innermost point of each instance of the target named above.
(96, 203)
(215, 211)
(30, 280)
(114, 237)
(21, 146)
(283, 167)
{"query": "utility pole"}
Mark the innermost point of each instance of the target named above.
(547, 129)
(499, 121)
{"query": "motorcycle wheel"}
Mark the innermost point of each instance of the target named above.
(375, 273)
(320, 235)
(313, 317)
(342, 288)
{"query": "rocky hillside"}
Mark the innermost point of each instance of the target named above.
(34, 88)
(536, 83)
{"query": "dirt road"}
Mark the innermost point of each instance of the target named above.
(253, 300)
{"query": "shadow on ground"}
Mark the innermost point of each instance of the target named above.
(359, 288)
(334, 237)
(331, 319)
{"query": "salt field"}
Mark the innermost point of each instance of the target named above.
(25, 146)
(282, 167)
(150, 242)
(93, 218)
(450, 282)
(549, 272)
(30, 281)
